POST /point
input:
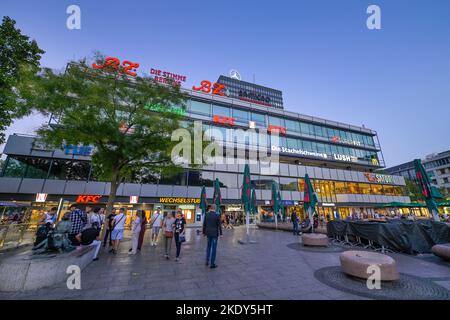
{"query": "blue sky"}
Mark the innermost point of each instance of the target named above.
(319, 53)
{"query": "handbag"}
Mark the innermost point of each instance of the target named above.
(168, 234)
(182, 238)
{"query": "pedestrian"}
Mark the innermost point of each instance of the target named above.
(136, 229)
(294, 220)
(211, 230)
(117, 230)
(90, 237)
(179, 232)
(95, 219)
(143, 228)
(89, 212)
(79, 221)
(108, 227)
(167, 226)
(155, 224)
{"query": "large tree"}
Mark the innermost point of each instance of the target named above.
(114, 113)
(19, 61)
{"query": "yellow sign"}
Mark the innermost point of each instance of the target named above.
(180, 200)
(375, 162)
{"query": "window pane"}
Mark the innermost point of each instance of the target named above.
(227, 180)
(293, 125)
(276, 121)
(37, 168)
(259, 118)
(240, 115)
(200, 107)
(15, 168)
(221, 111)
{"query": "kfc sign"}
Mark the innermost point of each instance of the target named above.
(41, 197)
(224, 120)
(272, 128)
(88, 199)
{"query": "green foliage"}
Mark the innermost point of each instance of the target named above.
(414, 191)
(106, 109)
(19, 62)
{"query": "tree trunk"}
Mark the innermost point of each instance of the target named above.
(114, 185)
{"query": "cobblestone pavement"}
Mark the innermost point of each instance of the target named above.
(268, 269)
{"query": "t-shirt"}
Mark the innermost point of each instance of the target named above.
(50, 218)
(179, 225)
(157, 219)
(169, 224)
(110, 219)
(119, 221)
(89, 235)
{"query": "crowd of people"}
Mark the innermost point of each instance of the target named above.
(78, 229)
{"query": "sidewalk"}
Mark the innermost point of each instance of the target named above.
(268, 269)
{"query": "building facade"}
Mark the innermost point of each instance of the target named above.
(437, 165)
(341, 160)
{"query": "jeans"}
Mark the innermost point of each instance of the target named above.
(211, 250)
(177, 243)
(295, 228)
(107, 234)
(167, 245)
(97, 244)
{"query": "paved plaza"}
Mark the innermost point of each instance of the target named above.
(272, 268)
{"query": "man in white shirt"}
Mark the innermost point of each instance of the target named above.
(117, 230)
(155, 224)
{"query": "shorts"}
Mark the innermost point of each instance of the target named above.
(117, 234)
(155, 230)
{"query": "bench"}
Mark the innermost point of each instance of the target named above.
(25, 271)
(315, 240)
(356, 263)
(442, 250)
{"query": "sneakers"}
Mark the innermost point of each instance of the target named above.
(207, 263)
(213, 266)
(177, 259)
(96, 259)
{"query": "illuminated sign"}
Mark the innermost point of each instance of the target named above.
(113, 64)
(224, 120)
(337, 139)
(78, 150)
(161, 108)
(88, 199)
(375, 162)
(344, 157)
(180, 200)
(272, 128)
(252, 124)
(207, 87)
(300, 152)
(164, 76)
(134, 199)
(380, 178)
(254, 97)
(41, 197)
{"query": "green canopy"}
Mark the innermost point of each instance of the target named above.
(309, 199)
(246, 192)
(203, 201)
(444, 204)
(253, 202)
(430, 193)
(217, 199)
(403, 205)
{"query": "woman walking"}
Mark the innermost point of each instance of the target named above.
(168, 222)
(143, 228)
(179, 232)
(136, 228)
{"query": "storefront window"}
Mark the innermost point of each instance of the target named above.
(288, 184)
(179, 179)
(340, 187)
(227, 180)
(14, 168)
(353, 188)
(364, 188)
(377, 189)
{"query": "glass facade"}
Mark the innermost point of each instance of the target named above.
(336, 143)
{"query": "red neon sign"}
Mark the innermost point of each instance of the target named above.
(278, 129)
(113, 64)
(224, 120)
(206, 87)
(88, 199)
